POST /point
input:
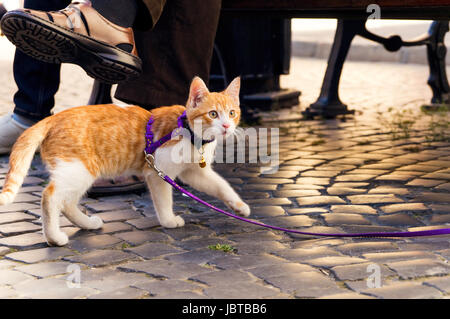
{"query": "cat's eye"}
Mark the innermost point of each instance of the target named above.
(232, 113)
(213, 114)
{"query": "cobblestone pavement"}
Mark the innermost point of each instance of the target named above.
(386, 171)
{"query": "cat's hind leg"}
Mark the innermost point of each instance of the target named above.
(71, 180)
(51, 207)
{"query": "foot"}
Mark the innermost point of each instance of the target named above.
(174, 222)
(77, 34)
(10, 130)
(240, 208)
(57, 239)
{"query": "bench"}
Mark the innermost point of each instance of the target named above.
(352, 16)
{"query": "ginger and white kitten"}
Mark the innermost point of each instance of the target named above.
(84, 143)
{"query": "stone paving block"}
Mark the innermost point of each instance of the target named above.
(366, 247)
(7, 293)
(38, 255)
(297, 193)
(302, 186)
(24, 241)
(399, 219)
(269, 271)
(303, 254)
(269, 201)
(17, 207)
(289, 221)
(313, 181)
(108, 280)
(397, 256)
(114, 227)
(222, 278)
(319, 200)
(420, 182)
(440, 219)
(138, 237)
(152, 250)
(433, 197)
(122, 293)
(268, 211)
(389, 190)
(305, 284)
(18, 228)
(331, 261)
(119, 215)
(437, 208)
(360, 272)
(160, 268)
(319, 173)
(307, 210)
(4, 250)
(144, 222)
(374, 199)
(92, 242)
(188, 230)
(51, 288)
(241, 290)
(444, 187)
(167, 287)
(404, 290)
(353, 209)
(6, 218)
(342, 219)
(231, 261)
(254, 247)
(107, 206)
(261, 235)
(45, 269)
(198, 256)
(260, 187)
(419, 268)
(348, 295)
(99, 258)
(344, 191)
(12, 277)
(355, 177)
(350, 184)
(441, 283)
(407, 207)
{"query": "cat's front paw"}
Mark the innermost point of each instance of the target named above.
(57, 239)
(174, 222)
(240, 208)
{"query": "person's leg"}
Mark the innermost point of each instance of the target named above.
(35, 96)
(95, 35)
(178, 48)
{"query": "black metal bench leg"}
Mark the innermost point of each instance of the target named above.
(100, 94)
(328, 104)
(437, 51)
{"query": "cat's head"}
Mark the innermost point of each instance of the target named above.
(217, 112)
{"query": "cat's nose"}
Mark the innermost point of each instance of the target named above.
(226, 125)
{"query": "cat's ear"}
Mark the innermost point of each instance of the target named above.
(233, 89)
(197, 92)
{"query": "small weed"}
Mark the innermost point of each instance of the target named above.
(223, 247)
(126, 245)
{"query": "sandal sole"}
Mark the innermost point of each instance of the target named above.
(51, 43)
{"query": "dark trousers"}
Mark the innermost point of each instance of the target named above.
(178, 48)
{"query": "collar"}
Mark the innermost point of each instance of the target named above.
(151, 146)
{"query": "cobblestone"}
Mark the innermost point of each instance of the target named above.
(359, 177)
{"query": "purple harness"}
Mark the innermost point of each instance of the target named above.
(151, 146)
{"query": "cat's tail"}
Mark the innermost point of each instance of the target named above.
(20, 160)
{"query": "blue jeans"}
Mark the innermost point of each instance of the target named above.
(37, 81)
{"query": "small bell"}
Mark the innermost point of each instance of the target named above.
(202, 162)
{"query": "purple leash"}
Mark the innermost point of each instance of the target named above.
(151, 147)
